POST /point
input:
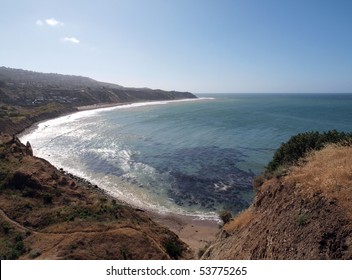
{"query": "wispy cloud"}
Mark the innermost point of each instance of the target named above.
(53, 22)
(71, 40)
(50, 22)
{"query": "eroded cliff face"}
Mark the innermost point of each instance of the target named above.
(304, 214)
(46, 213)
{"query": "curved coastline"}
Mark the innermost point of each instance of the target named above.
(195, 230)
(128, 198)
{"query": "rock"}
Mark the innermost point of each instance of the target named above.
(29, 151)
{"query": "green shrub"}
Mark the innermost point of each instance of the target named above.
(15, 248)
(299, 145)
(302, 219)
(173, 249)
(5, 227)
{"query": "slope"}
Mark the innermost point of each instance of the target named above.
(47, 214)
(304, 214)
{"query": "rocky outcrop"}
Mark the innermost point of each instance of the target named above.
(29, 150)
(305, 214)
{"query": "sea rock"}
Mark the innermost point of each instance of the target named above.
(29, 150)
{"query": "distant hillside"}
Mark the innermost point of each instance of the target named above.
(27, 96)
(21, 78)
(28, 88)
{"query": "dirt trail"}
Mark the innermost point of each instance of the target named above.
(114, 230)
(14, 223)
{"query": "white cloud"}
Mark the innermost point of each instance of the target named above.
(53, 22)
(50, 22)
(71, 40)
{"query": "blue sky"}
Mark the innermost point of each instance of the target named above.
(190, 45)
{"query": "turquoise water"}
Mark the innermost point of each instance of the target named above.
(196, 157)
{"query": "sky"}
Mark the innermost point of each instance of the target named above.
(201, 46)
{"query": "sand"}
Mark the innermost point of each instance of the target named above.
(196, 233)
(99, 106)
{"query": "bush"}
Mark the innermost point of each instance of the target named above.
(299, 145)
(173, 249)
(47, 199)
(5, 227)
(225, 216)
(302, 219)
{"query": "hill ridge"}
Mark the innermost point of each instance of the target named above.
(27, 97)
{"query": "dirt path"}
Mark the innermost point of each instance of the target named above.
(12, 222)
(114, 230)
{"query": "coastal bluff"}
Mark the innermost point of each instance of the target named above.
(46, 213)
(304, 212)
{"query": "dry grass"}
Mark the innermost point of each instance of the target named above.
(242, 219)
(329, 172)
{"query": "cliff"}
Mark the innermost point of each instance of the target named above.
(303, 213)
(46, 213)
(27, 97)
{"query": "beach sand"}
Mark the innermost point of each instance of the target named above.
(194, 232)
(99, 106)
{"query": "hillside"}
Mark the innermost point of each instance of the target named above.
(27, 97)
(302, 213)
(46, 213)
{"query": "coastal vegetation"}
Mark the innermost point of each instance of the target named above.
(299, 145)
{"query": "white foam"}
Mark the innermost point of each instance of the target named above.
(61, 124)
(148, 103)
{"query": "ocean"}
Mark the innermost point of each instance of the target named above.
(192, 157)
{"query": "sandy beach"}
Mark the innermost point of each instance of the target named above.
(99, 106)
(191, 230)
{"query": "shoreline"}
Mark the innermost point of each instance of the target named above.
(101, 106)
(75, 110)
(195, 232)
